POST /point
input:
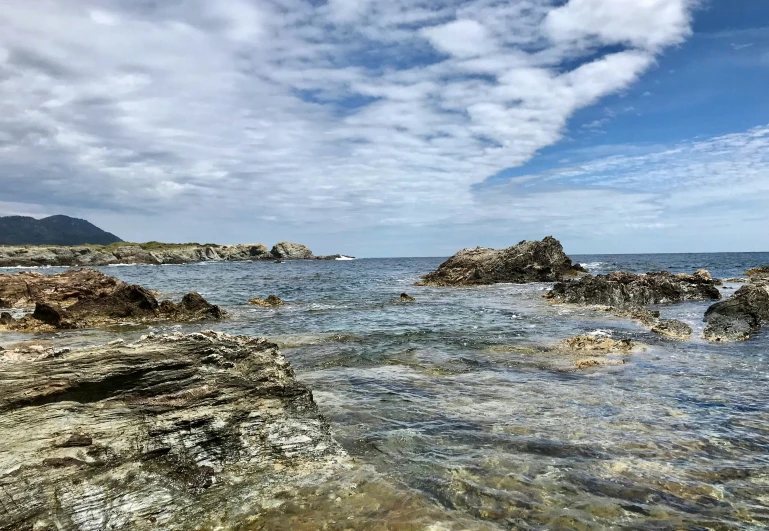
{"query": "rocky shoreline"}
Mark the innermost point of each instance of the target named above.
(152, 253)
(207, 430)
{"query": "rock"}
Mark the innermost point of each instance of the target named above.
(196, 431)
(151, 253)
(673, 329)
(736, 280)
(529, 261)
(598, 343)
(89, 298)
(291, 251)
(5, 318)
(405, 297)
(758, 272)
(25, 289)
(596, 350)
(269, 302)
(740, 316)
(628, 290)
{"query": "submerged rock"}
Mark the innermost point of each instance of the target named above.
(291, 251)
(596, 350)
(173, 432)
(672, 329)
(405, 297)
(627, 290)
(269, 302)
(88, 298)
(529, 261)
(740, 316)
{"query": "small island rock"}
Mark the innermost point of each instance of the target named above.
(528, 261)
(269, 302)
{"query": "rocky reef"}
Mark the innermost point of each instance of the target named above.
(741, 315)
(628, 290)
(529, 261)
(172, 432)
(152, 253)
(758, 272)
(87, 298)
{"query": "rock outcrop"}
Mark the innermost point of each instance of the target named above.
(758, 272)
(152, 253)
(199, 431)
(405, 297)
(628, 290)
(88, 298)
(291, 251)
(741, 315)
(529, 261)
(270, 302)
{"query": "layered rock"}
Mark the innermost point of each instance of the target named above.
(152, 253)
(291, 251)
(529, 261)
(88, 298)
(628, 290)
(740, 316)
(173, 432)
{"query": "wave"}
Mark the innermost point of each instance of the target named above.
(29, 267)
(592, 265)
(345, 258)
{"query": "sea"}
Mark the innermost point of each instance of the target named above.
(455, 399)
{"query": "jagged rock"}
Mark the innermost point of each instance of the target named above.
(291, 251)
(626, 290)
(740, 316)
(405, 297)
(758, 272)
(529, 261)
(196, 431)
(89, 298)
(269, 302)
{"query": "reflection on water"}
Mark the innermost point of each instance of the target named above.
(472, 423)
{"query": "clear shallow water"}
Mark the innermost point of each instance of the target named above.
(446, 398)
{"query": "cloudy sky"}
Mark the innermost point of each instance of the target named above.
(397, 128)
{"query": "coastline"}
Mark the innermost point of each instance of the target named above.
(151, 253)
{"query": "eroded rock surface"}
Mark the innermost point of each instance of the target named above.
(596, 350)
(172, 432)
(628, 290)
(88, 298)
(291, 251)
(741, 315)
(529, 261)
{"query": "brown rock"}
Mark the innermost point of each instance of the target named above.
(269, 302)
(529, 261)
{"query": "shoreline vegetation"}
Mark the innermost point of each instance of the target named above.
(185, 430)
(152, 253)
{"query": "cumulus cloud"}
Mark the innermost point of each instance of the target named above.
(336, 115)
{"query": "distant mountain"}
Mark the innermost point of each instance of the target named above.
(53, 230)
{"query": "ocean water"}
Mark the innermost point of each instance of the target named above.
(452, 399)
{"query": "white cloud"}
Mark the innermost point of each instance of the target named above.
(697, 190)
(335, 116)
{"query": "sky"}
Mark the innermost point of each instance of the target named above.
(398, 128)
